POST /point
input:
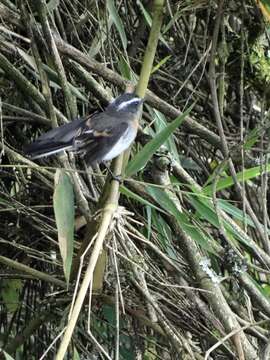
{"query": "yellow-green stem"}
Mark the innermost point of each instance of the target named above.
(151, 48)
(111, 203)
(148, 59)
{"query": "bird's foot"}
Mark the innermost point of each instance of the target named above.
(117, 178)
(113, 176)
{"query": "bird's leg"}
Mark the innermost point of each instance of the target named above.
(113, 176)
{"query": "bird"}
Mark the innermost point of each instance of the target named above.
(97, 138)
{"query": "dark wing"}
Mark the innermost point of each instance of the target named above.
(55, 140)
(99, 134)
(92, 137)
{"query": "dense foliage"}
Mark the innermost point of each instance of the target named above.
(185, 264)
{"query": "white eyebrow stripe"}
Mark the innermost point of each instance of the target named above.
(126, 103)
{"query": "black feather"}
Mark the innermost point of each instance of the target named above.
(92, 137)
(54, 140)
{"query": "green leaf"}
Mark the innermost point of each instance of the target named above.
(129, 194)
(160, 122)
(259, 287)
(142, 157)
(227, 182)
(63, 203)
(7, 356)
(206, 211)
(164, 233)
(238, 214)
(175, 17)
(124, 68)
(109, 314)
(117, 21)
(252, 138)
(183, 220)
(76, 355)
(266, 290)
(162, 62)
(10, 293)
(101, 36)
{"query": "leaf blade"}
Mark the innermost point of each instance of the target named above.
(63, 204)
(142, 157)
(117, 22)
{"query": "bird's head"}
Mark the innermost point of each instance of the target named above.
(126, 103)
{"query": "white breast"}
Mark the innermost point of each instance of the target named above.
(122, 144)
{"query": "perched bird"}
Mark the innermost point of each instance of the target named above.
(97, 138)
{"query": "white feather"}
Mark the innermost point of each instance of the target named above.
(51, 152)
(126, 103)
(122, 144)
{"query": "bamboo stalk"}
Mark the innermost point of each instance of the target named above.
(111, 203)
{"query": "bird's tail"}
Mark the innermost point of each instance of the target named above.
(56, 140)
(40, 149)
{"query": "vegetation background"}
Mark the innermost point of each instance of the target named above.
(184, 270)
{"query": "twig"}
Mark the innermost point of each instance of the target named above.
(35, 273)
(70, 101)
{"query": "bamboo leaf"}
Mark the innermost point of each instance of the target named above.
(101, 36)
(63, 203)
(162, 62)
(126, 70)
(129, 194)
(10, 293)
(76, 355)
(7, 356)
(160, 122)
(117, 21)
(142, 157)
(207, 212)
(236, 213)
(227, 182)
(183, 220)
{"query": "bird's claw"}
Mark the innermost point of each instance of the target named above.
(113, 176)
(117, 178)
